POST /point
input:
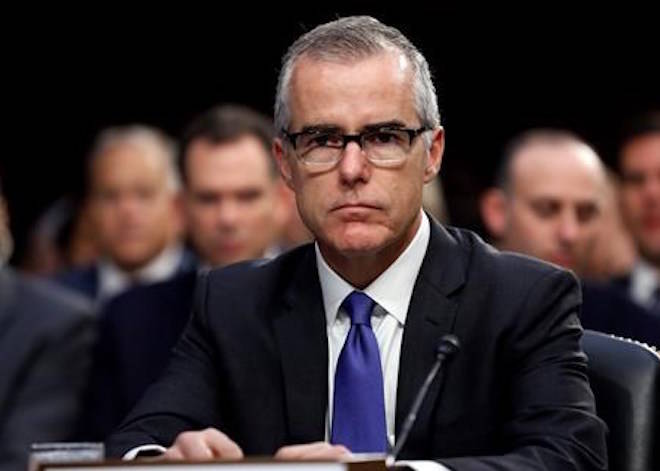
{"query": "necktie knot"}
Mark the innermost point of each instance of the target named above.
(358, 306)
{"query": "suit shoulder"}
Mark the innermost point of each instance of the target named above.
(260, 273)
(47, 304)
(487, 261)
(144, 303)
(82, 280)
(175, 287)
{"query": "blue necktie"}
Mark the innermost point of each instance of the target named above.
(358, 417)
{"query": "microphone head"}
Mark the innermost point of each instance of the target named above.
(449, 344)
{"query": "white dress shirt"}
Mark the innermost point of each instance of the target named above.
(113, 280)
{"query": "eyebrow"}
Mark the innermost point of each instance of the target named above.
(385, 124)
(320, 128)
(337, 129)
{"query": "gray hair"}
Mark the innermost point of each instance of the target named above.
(354, 38)
(142, 136)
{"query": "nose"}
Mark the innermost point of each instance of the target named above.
(128, 206)
(569, 228)
(227, 213)
(354, 166)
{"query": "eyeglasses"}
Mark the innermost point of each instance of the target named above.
(321, 149)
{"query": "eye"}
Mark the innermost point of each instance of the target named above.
(587, 212)
(545, 208)
(384, 137)
(322, 140)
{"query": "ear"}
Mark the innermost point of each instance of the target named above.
(281, 203)
(435, 152)
(179, 223)
(494, 212)
(282, 161)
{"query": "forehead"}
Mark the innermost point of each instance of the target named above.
(642, 153)
(239, 162)
(129, 160)
(352, 93)
(566, 171)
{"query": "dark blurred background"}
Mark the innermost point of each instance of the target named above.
(72, 71)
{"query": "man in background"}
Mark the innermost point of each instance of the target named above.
(133, 198)
(639, 165)
(46, 336)
(548, 202)
(235, 207)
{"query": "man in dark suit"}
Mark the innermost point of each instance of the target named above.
(46, 338)
(639, 165)
(134, 207)
(332, 340)
(548, 202)
(232, 197)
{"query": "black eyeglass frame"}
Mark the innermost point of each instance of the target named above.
(292, 137)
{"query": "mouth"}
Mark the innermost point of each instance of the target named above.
(355, 206)
(562, 260)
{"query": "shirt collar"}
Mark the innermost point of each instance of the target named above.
(113, 280)
(643, 282)
(392, 289)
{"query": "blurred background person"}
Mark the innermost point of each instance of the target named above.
(134, 209)
(62, 238)
(234, 201)
(548, 203)
(434, 201)
(46, 336)
(614, 253)
(236, 209)
(639, 165)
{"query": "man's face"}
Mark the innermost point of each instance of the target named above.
(230, 200)
(357, 208)
(554, 204)
(132, 204)
(640, 193)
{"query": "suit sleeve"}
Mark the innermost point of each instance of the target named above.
(553, 424)
(184, 398)
(47, 402)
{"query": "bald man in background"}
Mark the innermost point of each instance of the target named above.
(134, 204)
(548, 203)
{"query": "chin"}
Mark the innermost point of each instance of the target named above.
(357, 243)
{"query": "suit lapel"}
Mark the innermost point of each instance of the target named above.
(431, 314)
(300, 330)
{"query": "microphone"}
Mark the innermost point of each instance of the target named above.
(446, 348)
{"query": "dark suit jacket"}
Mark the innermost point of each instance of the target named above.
(253, 362)
(46, 339)
(607, 309)
(137, 331)
(83, 280)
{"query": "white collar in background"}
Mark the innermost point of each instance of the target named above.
(643, 282)
(113, 280)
